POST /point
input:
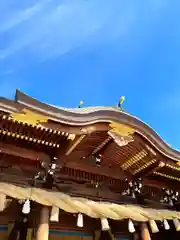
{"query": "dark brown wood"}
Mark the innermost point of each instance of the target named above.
(75, 174)
(76, 119)
(71, 118)
(108, 171)
(23, 153)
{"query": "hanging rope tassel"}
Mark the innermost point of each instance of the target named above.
(80, 220)
(166, 224)
(153, 226)
(131, 227)
(104, 224)
(26, 207)
(176, 224)
(54, 214)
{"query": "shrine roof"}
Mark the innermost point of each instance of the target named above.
(89, 116)
(77, 136)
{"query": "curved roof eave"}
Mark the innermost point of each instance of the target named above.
(91, 115)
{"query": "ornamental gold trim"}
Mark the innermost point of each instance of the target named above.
(29, 117)
(121, 133)
(121, 129)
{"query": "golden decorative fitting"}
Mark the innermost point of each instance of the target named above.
(27, 138)
(166, 176)
(120, 140)
(122, 99)
(121, 133)
(28, 117)
(121, 129)
(136, 158)
(71, 136)
(161, 164)
(88, 130)
(178, 163)
(173, 167)
(144, 166)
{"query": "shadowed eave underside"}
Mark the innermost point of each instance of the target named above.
(90, 115)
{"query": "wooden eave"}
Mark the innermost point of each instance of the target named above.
(39, 136)
(90, 126)
(136, 159)
(88, 116)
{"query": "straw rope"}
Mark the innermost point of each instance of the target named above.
(75, 205)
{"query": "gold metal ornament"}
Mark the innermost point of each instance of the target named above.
(121, 133)
(121, 129)
(29, 117)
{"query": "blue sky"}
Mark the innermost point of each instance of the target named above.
(97, 50)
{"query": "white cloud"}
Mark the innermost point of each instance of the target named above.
(20, 16)
(59, 27)
(52, 28)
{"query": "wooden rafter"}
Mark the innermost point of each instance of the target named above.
(74, 144)
(145, 166)
(157, 167)
(101, 145)
(28, 138)
(136, 158)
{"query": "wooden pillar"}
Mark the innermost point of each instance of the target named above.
(43, 228)
(145, 235)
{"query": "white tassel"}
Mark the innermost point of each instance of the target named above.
(166, 224)
(80, 220)
(54, 214)
(176, 224)
(131, 227)
(26, 207)
(104, 224)
(133, 195)
(153, 226)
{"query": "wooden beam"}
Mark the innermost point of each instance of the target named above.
(74, 144)
(116, 173)
(156, 167)
(13, 150)
(155, 184)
